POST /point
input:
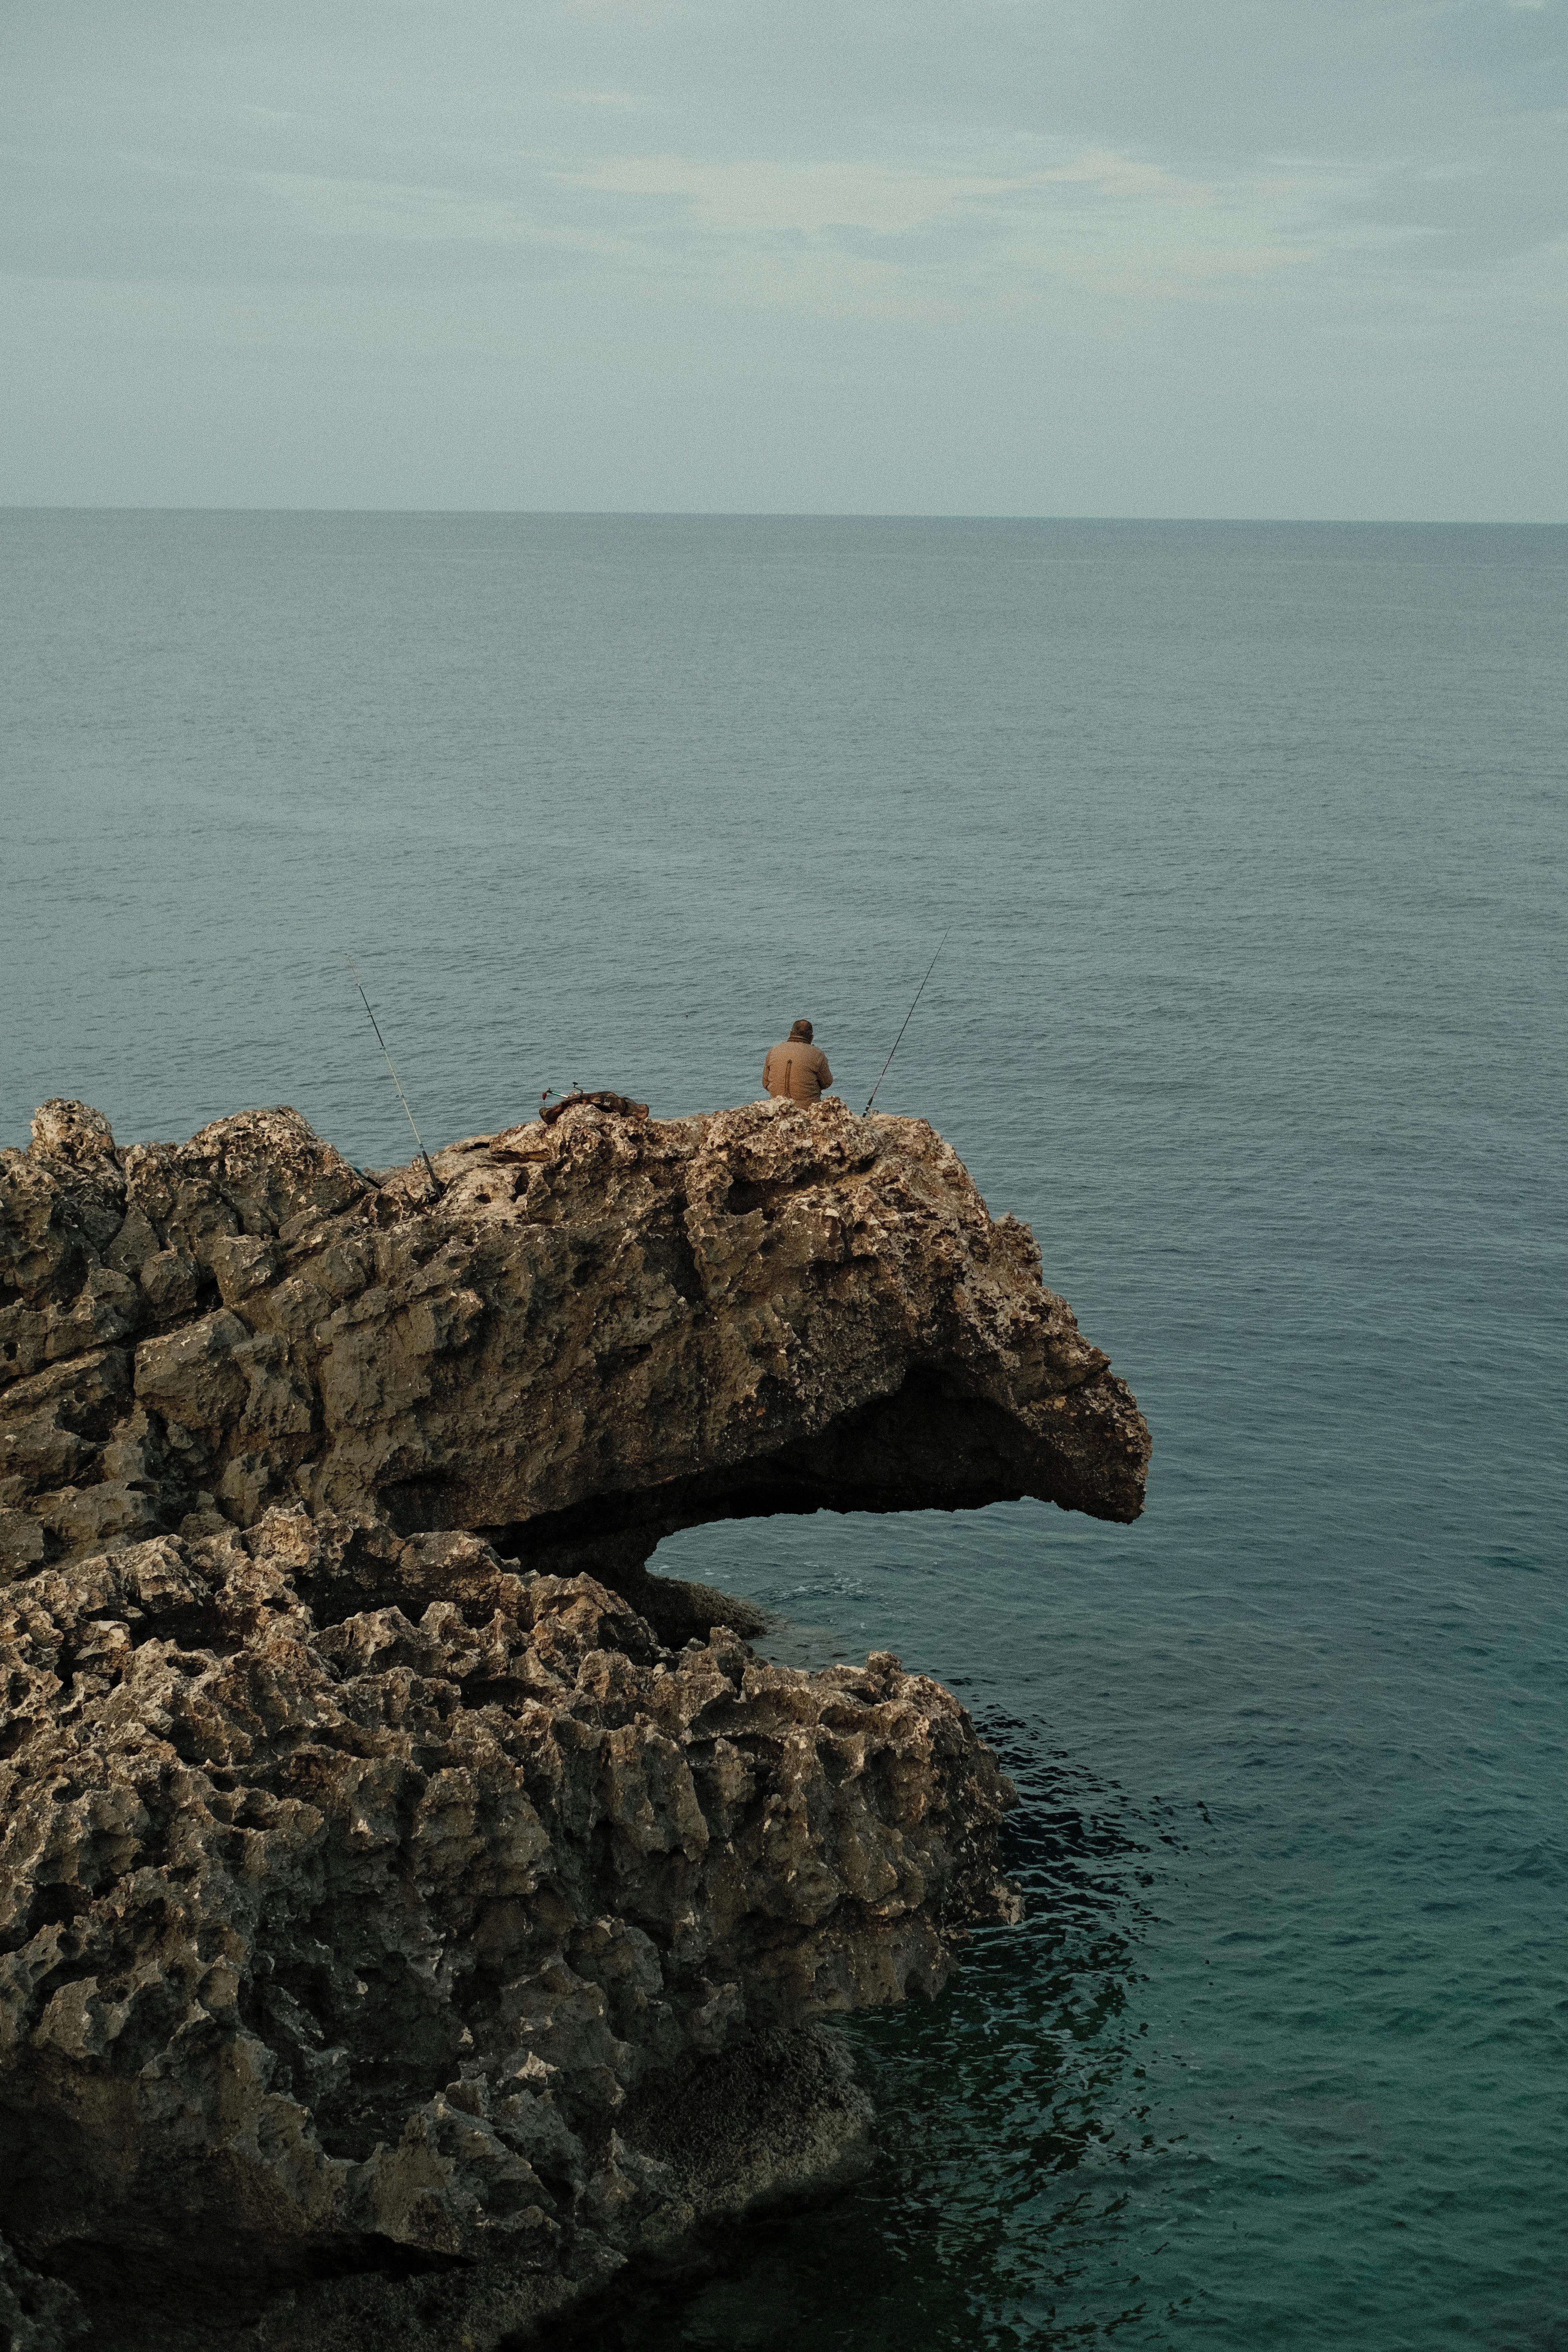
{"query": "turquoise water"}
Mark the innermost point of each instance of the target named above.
(1251, 843)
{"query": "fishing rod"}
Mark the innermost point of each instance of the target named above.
(398, 1082)
(908, 1018)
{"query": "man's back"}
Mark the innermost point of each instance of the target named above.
(797, 1069)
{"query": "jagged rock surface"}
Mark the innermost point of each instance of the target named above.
(604, 1329)
(36, 2314)
(392, 1942)
(394, 1934)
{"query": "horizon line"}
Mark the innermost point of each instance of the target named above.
(790, 514)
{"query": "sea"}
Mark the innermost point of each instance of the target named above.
(1245, 846)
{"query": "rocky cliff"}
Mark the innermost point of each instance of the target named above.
(601, 1331)
(401, 1927)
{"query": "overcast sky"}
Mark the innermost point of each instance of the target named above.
(1296, 258)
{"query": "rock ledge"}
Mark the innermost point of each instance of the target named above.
(605, 1330)
(411, 1908)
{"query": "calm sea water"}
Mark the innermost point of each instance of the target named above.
(1251, 845)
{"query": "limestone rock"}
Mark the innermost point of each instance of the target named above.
(386, 1934)
(606, 1329)
(36, 2314)
(402, 1922)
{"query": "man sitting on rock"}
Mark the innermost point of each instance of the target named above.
(797, 1069)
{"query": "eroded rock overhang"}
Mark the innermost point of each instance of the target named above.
(601, 1331)
(399, 1931)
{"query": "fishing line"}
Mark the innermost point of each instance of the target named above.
(908, 1018)
(396, 1081)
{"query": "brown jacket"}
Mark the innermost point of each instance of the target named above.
(799, 1071)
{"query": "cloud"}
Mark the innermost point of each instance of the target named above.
(400, 213)
(1005, 210)
(940, 200)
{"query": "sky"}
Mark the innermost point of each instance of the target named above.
(1187, 257)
